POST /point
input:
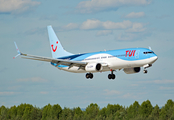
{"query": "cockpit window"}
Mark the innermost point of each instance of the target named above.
(148, 52)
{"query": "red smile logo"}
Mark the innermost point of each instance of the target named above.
(54, 50)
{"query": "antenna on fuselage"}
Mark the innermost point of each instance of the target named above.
(150, 48)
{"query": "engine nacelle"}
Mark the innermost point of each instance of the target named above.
(93, 67)
(132, 70)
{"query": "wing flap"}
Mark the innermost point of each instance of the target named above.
(40, 59)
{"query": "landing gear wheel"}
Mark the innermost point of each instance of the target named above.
(145, 71)
(111, 76)
(89, 75)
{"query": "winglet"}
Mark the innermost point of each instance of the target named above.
(19, 53)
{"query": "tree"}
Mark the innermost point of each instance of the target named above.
(46, 112)
(145, 111)
(111, 109)
(172, 117)
(12, 112)
(102, 112)
(56, 111)
(155, 112)
(163, 114)
(36, 114)
(3, 114)
(121, 114)
(20, 110)
(77, 112)
(169, 104)
(77, 117)
(92, 110)
(169, 108)
(146, 108)
(27, 113)
(66, 114)
(133, 110)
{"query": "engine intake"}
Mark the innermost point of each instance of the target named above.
(132, 70)
(93, 67)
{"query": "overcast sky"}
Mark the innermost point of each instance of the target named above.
(84, 26)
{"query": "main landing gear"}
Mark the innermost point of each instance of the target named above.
(89, 75)
(111, 76)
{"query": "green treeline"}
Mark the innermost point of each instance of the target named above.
(145, 111)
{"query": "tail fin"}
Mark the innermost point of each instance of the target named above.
(56, 47)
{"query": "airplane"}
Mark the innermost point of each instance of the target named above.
(130, 60)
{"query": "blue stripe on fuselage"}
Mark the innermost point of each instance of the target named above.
(130, 54)
(71, 57)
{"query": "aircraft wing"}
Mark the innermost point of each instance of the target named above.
(58, 62)
(66, 62)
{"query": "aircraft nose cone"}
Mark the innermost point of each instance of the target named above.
(155, 58)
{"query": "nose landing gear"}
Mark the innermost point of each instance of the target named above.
(146, 66)
(145, 71)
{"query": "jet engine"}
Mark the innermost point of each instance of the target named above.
(93, 67)
(132, 70)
